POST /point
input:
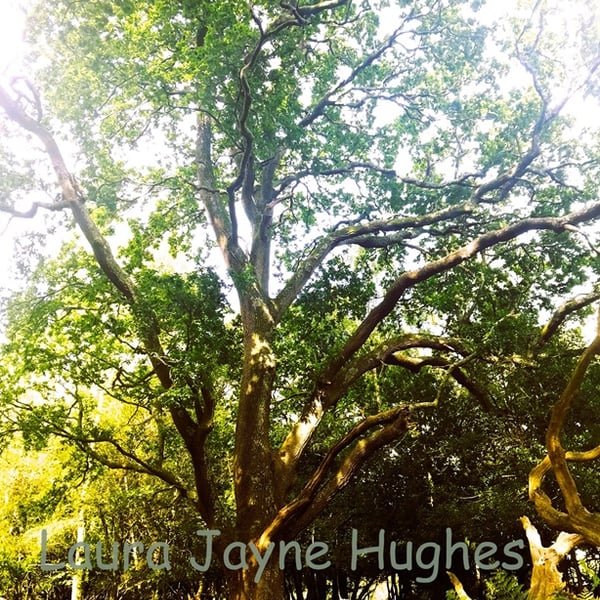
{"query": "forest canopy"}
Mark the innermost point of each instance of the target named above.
(297, 270)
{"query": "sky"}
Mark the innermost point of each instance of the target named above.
(11, 31)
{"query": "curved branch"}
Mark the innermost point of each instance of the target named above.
(246, 176)
(134, 463)
(562, 313)
(69, 187)
(320, 488)
(337, 376)
(297, 439)
(560, 410)
(337, 237)
(319, 109)
(389, 353)
(458, 586)
(35, 206)
(577, 518)
(72, 196)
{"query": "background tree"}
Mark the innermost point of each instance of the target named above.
(236, 167)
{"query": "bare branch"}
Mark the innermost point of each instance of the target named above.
(35, 206)
(562, 313)
(320, 107)
(557, 420)
(546, 579)
(458, 586)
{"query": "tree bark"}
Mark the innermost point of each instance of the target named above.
(546, 580)
(575, 518)
(241, 585)
(458, 587)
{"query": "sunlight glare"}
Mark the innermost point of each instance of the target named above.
(12, 24)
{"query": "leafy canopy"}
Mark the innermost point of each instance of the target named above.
(286, 229)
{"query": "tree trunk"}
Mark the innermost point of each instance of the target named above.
(270, 586)
(77, 579)
(546, 579)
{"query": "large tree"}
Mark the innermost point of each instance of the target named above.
(268, 212)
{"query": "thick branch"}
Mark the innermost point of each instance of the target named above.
(386, 352)
(389, 353)
(546, 579)
(297, 439)
(70, 190)
(458, 586)
(411, 278)
(577, 518)
(146, 322)
(339, 236)
(342, 370)
(72, 196)
(319, 490)
(560, 411)
(543, 504)
(260, 254)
